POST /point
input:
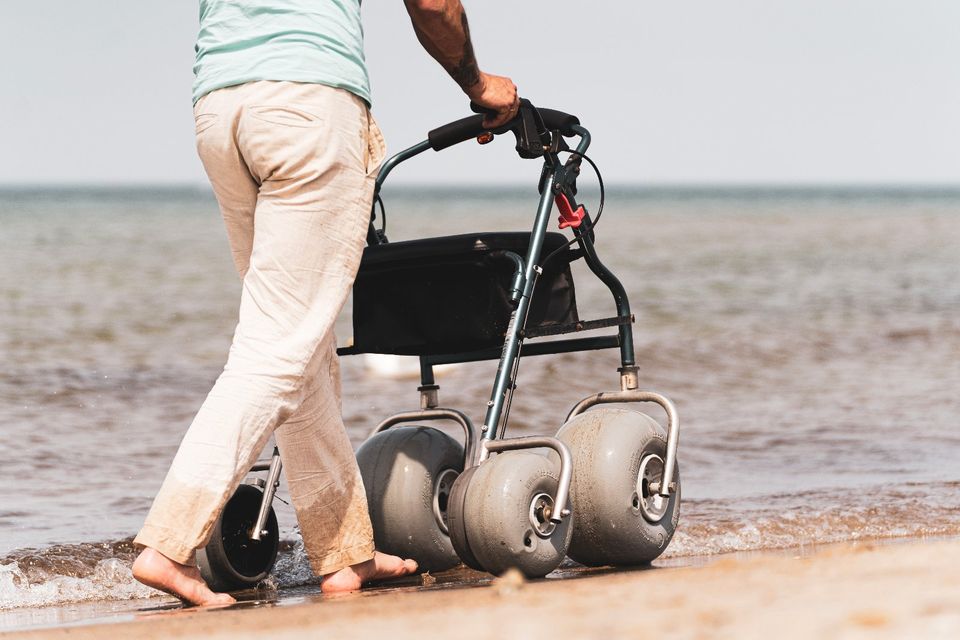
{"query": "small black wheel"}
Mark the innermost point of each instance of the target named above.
(617, 455)
(408, 473)
(232, 560)
(507, 511)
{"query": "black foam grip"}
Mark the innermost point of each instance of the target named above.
(456, 132)
(472, 126)
(562, 122)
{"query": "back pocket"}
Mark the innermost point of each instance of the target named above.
(284, 115)
(204, 121)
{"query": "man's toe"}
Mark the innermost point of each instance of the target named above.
(222, 598)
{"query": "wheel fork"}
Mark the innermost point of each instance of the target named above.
(561, 510)
(673, 425)
(269, 490)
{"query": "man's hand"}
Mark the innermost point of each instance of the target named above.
(441, 26)
(496, 93)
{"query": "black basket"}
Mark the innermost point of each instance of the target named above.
(452, 294)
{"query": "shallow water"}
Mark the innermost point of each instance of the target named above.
(810, 339)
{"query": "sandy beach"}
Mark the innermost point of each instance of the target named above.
(863, 590)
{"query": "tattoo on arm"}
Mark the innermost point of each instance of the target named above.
(466, 73)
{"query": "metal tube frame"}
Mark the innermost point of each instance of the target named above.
(469, 430)
(269, 490)
(511, 347)
(536, 442)
(525, 277)
(385, 169)
(673, 424)
(586, 242)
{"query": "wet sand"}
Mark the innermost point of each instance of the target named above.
(863, 590)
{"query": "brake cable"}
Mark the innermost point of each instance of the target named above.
(555, 252)
(383, 215)
(594, 222)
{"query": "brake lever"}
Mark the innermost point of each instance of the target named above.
(529, 144)
(527, 126)
(572, 169)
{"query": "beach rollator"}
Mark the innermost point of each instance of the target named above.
(605, 489)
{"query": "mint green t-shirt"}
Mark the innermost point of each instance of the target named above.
(318, 41)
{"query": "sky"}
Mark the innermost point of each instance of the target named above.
(774, 92)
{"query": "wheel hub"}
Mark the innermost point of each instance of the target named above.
(651, 504)
(441, 496)
(541, 510)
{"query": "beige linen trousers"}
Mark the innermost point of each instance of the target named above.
(292, 166)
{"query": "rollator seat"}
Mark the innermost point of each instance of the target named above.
(451, 294)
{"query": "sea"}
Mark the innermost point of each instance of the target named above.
(809, 337)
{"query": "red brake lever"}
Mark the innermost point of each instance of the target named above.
(569, 217)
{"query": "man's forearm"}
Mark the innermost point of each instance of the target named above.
(441, 26)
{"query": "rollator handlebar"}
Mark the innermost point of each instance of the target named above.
(527, 119)
(456, 132)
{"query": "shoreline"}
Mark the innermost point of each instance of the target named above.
(890, 588)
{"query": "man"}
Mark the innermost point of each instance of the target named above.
(283, 129)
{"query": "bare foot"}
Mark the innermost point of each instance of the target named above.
(380, 567)
(156, 570)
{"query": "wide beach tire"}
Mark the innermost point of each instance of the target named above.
(231, 560)
(408, 473)
(617, 453)
(456, 524)
(506, 514)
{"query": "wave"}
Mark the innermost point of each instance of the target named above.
(73, 573)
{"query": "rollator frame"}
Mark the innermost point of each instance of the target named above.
(534, 139)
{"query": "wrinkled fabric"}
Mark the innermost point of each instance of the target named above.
(292, 166)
